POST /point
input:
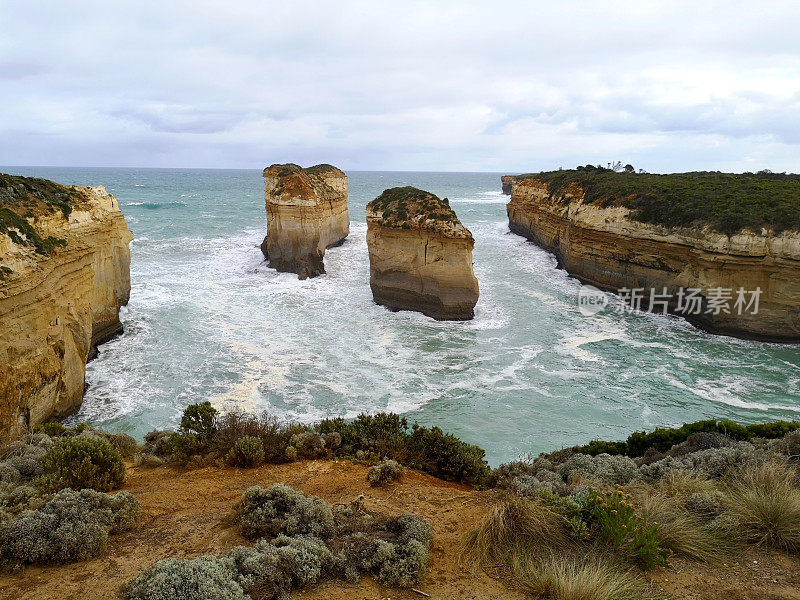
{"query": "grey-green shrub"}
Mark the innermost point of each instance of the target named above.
(85, 461)
(248, 451)
(385, 472)
(281, 509)
(304, 540)
(203, 578)
(69, 526)
(714, 462)
(126, 445)
(401, 559)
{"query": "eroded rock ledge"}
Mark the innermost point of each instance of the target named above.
(420, 255)
(606, 247)
(64, 273)
(306, 213)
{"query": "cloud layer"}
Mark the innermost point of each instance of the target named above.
(505, 86)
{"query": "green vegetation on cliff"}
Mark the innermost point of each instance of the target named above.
(725, 201)
(22, 197)
(408, 206)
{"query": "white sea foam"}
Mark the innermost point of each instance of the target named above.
(208, 319)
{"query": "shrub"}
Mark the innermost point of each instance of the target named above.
(385, 472)
(715, 462)
(248, 451)
(126, 445)
(198, 420)
(53, 429)
(603, 469)
(388, 435)
(662, 438)
(69, 526)
(281, 509)
(84, 462)
(614, 514)
(274, 434)
(395, 550)
(765, 500)
(204, 578)
(445, 456)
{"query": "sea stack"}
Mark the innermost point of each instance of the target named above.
(64, 274)
(420, 255)
(306, 213)
(614, 231)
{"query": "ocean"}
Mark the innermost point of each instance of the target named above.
(208, 320)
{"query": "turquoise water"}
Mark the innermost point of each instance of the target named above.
(208, 320)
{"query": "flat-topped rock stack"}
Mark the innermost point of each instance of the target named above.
(420, 255)
(306, 214)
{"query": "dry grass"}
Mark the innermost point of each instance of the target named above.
(766, 502)
(681, 531)
(565, 578)
(513, 528)
(680, 484)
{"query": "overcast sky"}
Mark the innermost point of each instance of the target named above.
(401, 85)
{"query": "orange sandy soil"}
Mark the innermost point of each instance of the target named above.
(186, 513)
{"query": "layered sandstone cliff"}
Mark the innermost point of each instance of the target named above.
(606, 247)
(65, 272)
(507, 181)
(306, 213)
(420, 255)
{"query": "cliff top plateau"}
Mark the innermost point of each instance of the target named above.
(293, 184)
(728, 203)
(412, 208)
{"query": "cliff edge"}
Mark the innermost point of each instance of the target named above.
(722, 251)
(306, 213)
(64, 274)
(420, 255)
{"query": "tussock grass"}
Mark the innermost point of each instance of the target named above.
(513, 528)
(682, 532)
(680, 484)
(572, 579)
(766, 502)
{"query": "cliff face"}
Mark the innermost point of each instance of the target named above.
(64, 277)
(420, 255)
(507, 181)
(306, 213)
(606, 248)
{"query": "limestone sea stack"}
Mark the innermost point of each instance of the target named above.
(420, 255)
(64, 274)
(679, 234)
(306, 213)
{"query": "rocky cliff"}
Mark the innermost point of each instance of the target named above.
(420, 255)
(306, 213)
(608, 246)
(64, 273)
(507, 181)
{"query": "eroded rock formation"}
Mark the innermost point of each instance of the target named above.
(607, 248)
(64, 273)
(420, 255)
(306, 213)
(506, 181)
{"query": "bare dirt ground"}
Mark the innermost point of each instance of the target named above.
(187, 513)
